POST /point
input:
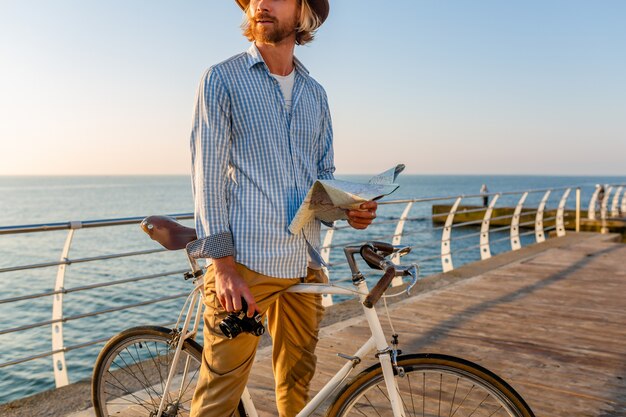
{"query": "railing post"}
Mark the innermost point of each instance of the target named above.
(515, 240)
(560, 223)
(614, 206)
(446, 256)
(540, 235)
(327, 299)
(61, 378)
(397, 238)
(577, 209)
(623, 208)
(591, 212)
(603, 210)
(485, 250)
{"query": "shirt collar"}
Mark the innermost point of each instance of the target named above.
(255, 57)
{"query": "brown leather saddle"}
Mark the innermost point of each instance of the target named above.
(168, 232)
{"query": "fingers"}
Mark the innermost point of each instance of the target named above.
(364, 216)
(369, 205)
(360, 223)
(236, 302)
(230, 287)
(231, 301)
(357, 225)
(236, 305)
(252, 307)
(227, 302)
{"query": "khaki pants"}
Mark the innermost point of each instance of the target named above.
(293, 322)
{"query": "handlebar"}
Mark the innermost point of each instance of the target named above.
(382, 284)
(173, 235)
(374, 254)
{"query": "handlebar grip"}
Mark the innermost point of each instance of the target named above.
(371, 257)
(386, 248)
(168, 232)
(380, 287)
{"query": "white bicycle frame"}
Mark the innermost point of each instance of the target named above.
(377, 341)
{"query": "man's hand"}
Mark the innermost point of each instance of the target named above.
(230, 286)
(364, 216)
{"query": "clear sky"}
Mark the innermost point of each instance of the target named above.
(446, 87)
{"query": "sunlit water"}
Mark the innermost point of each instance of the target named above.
(33, 200)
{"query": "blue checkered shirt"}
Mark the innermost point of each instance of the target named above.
(253, 163)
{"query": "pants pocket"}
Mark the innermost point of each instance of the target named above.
(316, 276)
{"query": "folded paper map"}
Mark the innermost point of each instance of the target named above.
(328, 200)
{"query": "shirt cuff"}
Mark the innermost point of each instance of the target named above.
(215, 246)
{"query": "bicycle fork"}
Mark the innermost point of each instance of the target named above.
(384, 353)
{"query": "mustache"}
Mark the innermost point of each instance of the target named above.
(263, 16)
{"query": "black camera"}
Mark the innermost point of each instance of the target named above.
(239, 321)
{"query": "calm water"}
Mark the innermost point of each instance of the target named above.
(33, 200)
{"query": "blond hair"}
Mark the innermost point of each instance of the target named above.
(308, 23)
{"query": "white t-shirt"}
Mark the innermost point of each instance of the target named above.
(286, 86)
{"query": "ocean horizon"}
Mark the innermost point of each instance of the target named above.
(26, 199)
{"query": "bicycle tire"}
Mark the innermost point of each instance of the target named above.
(131, 371)
(432, 385)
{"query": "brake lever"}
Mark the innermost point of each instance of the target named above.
(413, 271)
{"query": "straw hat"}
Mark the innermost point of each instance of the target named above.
(320, 7)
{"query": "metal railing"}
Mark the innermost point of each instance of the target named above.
(602, 196)
(58, 319)
(482, 216)
(478, 230)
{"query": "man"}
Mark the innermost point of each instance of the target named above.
(484, 191)
(262, 135)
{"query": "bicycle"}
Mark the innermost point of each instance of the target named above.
(151, 371)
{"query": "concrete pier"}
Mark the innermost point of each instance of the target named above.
(501, 216)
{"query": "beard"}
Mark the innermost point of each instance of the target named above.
(273, 33)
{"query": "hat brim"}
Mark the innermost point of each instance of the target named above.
(320, 7)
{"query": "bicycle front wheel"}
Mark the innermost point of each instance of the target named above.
(131, 371)
(431, 385)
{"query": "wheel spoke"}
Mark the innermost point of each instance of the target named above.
(450, 388)
(408, 378)
(357, 408)
(138, 402)
(465, 398)
(372, 405)
(494, 413)
(138, 364)
(423, 394)
(190, 381)
(132, 373)
(127, 370)
(440, 389)
(156, 359)
(478, 406)
(401, 399)
(456, 387)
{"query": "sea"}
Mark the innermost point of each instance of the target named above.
(54, 199)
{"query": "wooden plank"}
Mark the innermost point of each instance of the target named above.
(554, 326)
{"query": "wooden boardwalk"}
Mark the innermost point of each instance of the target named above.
(551, 320)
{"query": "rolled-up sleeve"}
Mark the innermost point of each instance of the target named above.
(210, 148)
(326, 160)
